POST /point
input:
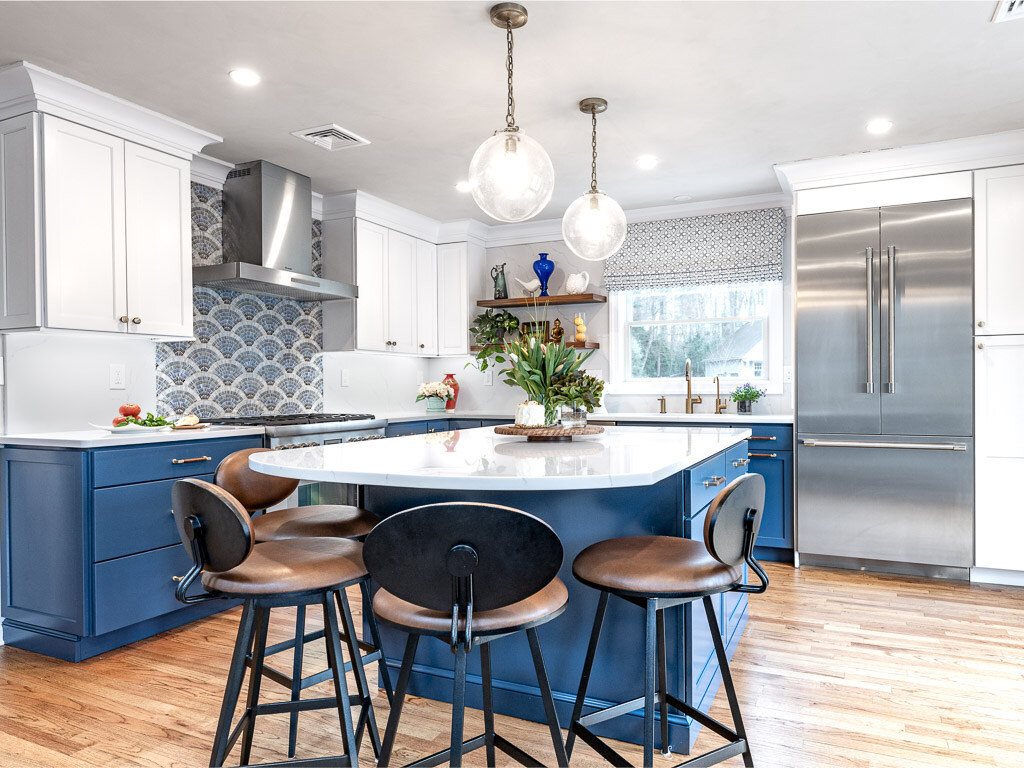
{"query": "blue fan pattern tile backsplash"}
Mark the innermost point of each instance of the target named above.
(252, 355)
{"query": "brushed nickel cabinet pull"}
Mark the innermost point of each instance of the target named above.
(714, 482)
(737, 463)
(756, 437)
(190, 461)
(762, 455)
(891, 385)
(869, 331)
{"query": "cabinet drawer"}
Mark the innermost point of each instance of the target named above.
(736, 462)
(438, 425)
(766, 438)
(464, 424)
(402, 428)
(142, 463)
(134, 518)
(699, 494)
(138, 587)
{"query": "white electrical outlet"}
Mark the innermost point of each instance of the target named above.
(117, 375)
(488, 378)
(345, 378)
(787, 374)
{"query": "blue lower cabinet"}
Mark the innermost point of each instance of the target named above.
(90, 550)
(464, 423)
(400, 429)
(775, 539)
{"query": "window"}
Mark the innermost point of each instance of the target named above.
(724, 330)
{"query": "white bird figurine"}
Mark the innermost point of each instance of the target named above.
(531, 287)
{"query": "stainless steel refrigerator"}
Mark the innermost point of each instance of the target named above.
(885, 453)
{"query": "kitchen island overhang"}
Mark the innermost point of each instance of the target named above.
(629, 481)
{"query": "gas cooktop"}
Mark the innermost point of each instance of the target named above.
(287, 420)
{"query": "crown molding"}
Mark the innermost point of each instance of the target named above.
(24, 87)
(973, 152)
(464, 230)
(362, 205)
(318, 206)
(209, 171)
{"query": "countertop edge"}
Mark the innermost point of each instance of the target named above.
(94, 438)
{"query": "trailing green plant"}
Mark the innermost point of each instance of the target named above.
(489, 329)
(533, 365)
(577, 389)
(747, 392)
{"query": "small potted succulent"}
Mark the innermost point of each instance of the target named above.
(577, 394)
(745, 396)
(436, 393)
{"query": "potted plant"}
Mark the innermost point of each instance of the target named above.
(577, 394)
(534, 366)
(745, 396)
(489, 331)
(436, 393)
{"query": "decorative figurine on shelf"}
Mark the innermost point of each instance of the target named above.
(576, 284)
(530, 288)
(500, 286)
(543, 267)
(580, 321)
(558, 331)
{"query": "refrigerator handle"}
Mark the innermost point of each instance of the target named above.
(890, 387)
(815, 443)
(869, 258)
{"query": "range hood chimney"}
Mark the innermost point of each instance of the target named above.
(268, 245)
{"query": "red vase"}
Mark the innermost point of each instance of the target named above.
(449, 379)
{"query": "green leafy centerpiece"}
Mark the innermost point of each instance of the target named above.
(745, 396)
(542, 370)
(577, 394)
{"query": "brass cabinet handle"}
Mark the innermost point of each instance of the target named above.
(123, 318)
(190, 461)
(714, 482)
(137, 320)
(177, 578)
(422, 346)
(741, 462)
(756, 437)
(762, 455)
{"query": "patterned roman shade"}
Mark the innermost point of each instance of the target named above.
(738, 247)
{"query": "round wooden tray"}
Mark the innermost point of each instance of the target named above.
(547, 434)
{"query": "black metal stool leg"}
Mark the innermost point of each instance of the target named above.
(396, 706)
(366, 715)
(730, 689)
(382, 663)
(649, 669)
(458, 707)
(337, 664)
(561, 759)
(485, 678)
(663, 684)
(255, 679)
(236, 675)
(588, 666)
(293, 718)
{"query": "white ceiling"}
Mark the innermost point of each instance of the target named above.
(719, 91)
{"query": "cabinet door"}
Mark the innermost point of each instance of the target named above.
(452, 307)
(371, 277)
(158, 242)
(401, 290)
(777, 518)
(84, 227)
(998, 522)
(20, 236)
(426, 298)
(998, 250)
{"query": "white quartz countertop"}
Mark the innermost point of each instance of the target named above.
(654, 418)
(478, 459)
(97, 438)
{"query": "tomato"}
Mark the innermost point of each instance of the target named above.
(129, 409)
(119, 419)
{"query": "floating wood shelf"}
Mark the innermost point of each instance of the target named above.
(576, 344)
(541, 301)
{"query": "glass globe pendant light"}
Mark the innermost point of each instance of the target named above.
(511, 176)
(594, 226)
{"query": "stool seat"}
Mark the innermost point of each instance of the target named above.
(528, 612)
(326, 520)
(291, 565)
(654, 566)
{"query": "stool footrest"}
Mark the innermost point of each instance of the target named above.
(706, 720)
(309, 762)
(595, 743)
(500, 742)
(615, 710)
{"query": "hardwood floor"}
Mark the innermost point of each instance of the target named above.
(835, 669)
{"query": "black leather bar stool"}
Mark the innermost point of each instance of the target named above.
(257, 491)
(659, 572)
(218, 533)
(467, 574)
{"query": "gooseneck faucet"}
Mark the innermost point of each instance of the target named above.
(720, 404)
(690, 399)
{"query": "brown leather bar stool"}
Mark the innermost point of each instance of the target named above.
(256, 492)
(218, 533)
(467, 574)
(659, 572)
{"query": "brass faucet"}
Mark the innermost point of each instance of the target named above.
(663, 401)
(690, 399)
(720, 404)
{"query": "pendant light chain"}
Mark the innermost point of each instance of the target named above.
(593, 148)
(510, 118)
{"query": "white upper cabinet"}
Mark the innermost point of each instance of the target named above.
(401, 293)
(427, 298)
(452, 299)
(999, 250)
(372, 274)
(108, 247)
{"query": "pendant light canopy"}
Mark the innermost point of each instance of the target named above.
(511, 176)
(594, 226)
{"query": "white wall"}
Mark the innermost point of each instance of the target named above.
(378, 382)
(58, 382)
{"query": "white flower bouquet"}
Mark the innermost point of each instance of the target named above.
(437, 389)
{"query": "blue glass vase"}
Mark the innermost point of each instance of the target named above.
(543, 267)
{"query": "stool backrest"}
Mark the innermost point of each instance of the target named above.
(213, 519)
(419, 554)
(254, 490)
(734, 519)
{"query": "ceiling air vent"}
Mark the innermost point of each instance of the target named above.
(331, 137)
(1008, 10)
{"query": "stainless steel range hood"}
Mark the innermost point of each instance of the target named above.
(268, 244)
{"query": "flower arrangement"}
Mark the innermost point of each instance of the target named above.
(577, 389)
(437, 389)
(535, 366)
(747, 392)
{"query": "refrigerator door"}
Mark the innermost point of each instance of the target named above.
(887, 497)
(837, 331)
(927, 317)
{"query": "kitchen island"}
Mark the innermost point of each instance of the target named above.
(627, 481)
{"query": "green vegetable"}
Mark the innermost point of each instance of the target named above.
(149, 421)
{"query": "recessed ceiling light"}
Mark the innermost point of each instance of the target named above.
(646, 162)
(683, 198)
(244, 77)
(464, 186)
(879, 125)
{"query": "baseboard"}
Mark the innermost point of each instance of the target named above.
(997, 576)
(950, 572)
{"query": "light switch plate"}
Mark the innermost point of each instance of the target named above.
(117, 376)
(488, 377)
(345, 378)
